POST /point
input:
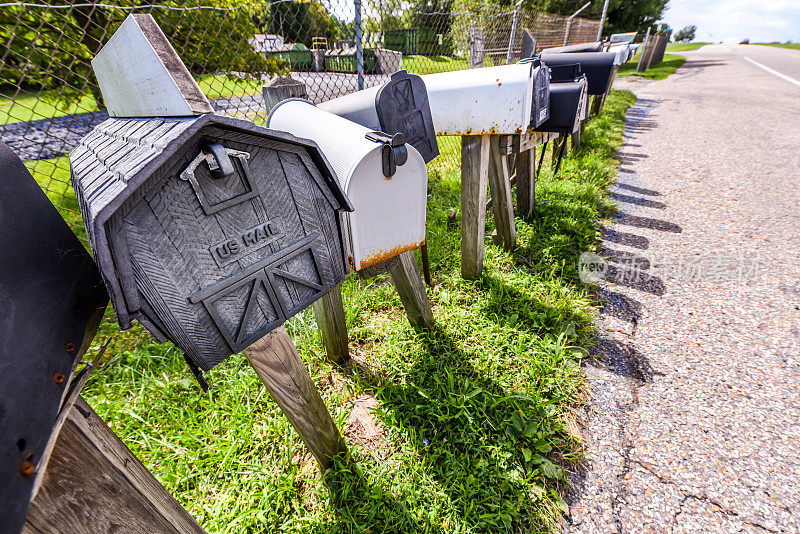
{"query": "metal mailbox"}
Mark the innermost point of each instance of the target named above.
(385, 179)
(595, 46)
(597, 66)
(568, 97)
(209, 230)
(53, 301)
(398, 106)
(492, 100)
(540, 103)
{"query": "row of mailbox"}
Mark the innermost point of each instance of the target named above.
(212, 231)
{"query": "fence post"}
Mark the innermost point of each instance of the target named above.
(512, 40)
(602, 20)
(359, 46)
(644, 49)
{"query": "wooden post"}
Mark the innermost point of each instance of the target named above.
(526, 182)
(576, 138)
(474, 175)
(332, 324)
(281, 369)
(502, 203)
(282, 88)
(406, 277)
(93, 483)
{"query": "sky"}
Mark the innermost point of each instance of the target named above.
(733, 20)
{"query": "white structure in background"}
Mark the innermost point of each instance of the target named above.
(267, 42)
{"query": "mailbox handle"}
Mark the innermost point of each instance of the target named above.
(220, 162)
(394, 152)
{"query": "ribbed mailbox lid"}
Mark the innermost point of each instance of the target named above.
(493, 100)
(209, 230)
(389, 203)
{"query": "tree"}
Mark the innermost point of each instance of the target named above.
(626, 16)
(685, 35)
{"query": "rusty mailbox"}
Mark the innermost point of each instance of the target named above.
(385, 179)
(209, 230)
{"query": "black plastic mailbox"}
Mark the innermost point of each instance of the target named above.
(398, 106)
(568, 94)
(53, 300)
(209, 230)
(597, 66)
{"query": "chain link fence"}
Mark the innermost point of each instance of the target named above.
(49, 98)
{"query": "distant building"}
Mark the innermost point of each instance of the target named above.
(267, 42)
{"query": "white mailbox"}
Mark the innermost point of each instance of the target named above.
(622, 52)
(385, 179)
(492, 100)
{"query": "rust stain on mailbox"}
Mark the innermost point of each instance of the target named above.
(384, 255)
(210, 231)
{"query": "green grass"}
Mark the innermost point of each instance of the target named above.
(430, 64)
(684, 47)
(23, 105)
(477, 412)
(794, 46)
(659, 71)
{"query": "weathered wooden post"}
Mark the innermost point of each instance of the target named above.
(475, 156)
(94, 483)
(215, 254)
(500, 187)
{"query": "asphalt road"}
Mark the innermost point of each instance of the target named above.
(783, 60)
(695, 425)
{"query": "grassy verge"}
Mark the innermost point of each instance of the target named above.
(475, 416)
(430, 64)
(684, 47)
(659, 71)
(794, 46)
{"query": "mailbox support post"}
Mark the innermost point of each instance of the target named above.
(526, 182)
(406, 277)
(474, 174)
(502, 203)
(281, 369)
(94, 483)
(332, 324)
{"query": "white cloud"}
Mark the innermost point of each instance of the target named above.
(733, 20)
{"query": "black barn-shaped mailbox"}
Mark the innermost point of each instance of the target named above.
(210, 231)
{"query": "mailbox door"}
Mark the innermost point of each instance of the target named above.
(219, 262)
(541, 95)
(389, 214)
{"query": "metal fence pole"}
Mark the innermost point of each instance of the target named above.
(359, 46)
(644, 48)
(512, 40)
(602, 21)
(569, 22)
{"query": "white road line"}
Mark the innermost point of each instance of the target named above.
(773, 72)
